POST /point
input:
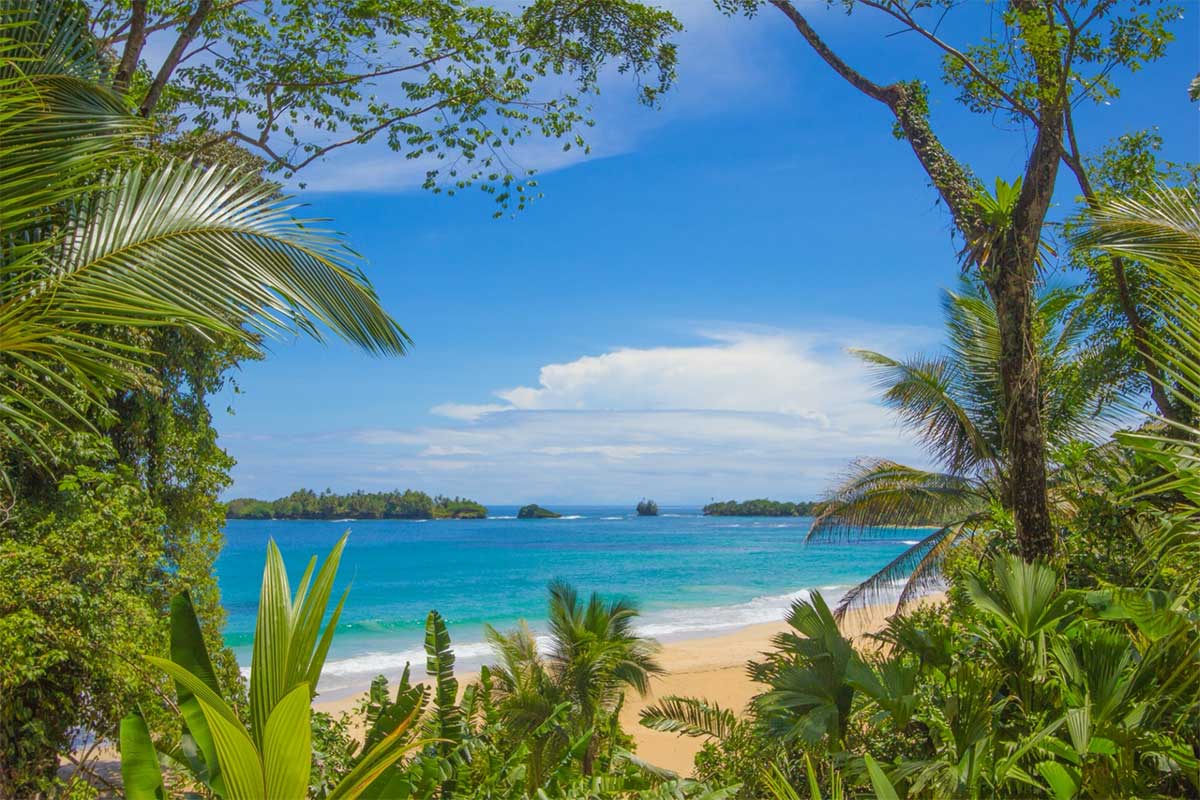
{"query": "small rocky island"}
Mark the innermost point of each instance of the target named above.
(647, 508)
(534, 511)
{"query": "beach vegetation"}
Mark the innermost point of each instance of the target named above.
(531, 725)
(1071, 679)
(1019, 688)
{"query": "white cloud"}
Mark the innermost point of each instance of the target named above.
(468, 412)
(740, 413)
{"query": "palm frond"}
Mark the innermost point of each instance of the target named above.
(880, 493)
(921, 391)
(689, 716)
(87, 246)
(915, 571)
(1161, 226)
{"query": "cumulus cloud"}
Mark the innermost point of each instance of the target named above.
(739, 413)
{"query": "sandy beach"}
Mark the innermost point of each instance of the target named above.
(713, 668)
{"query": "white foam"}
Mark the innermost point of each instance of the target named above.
(910, 542)
(680, 623)
(503, 517)
(666, 624)
(612, 518)
(570, 516)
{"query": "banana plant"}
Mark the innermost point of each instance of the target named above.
(271, 757)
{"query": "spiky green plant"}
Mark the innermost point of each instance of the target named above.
(271, 756)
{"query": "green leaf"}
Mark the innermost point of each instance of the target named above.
(241, 767)
(189, 651)
(286, 751)
(269, 677)
(1063, 781)
(879, 781)
(140, 774)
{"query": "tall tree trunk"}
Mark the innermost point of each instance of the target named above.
(1012, 292)
(1011, 274)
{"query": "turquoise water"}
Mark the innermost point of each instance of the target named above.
(692, 575)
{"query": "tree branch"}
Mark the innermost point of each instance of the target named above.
(132, 52)
(905, 18)
(203, 9)
(954, 184)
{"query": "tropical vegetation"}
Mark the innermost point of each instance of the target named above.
(532, 725)
(146, 253)
(307, 504)
(954, 402)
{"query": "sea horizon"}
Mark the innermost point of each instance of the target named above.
(692, 576)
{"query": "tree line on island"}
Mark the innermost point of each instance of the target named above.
(762, 508)
(307, 504)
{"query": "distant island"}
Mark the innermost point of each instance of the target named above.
(534, 511)
(647, 508)
(761, 508)
(307, 504)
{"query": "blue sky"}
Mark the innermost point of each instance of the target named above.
(671, 320)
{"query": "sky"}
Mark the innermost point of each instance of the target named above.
(672, 319)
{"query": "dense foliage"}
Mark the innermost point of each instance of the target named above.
(532, 725)
(144, 256)
(762, 508)
(307, 504)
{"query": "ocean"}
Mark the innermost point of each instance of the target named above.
(691, 575)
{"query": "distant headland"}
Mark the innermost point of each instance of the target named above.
(761, 508)
(307, 504)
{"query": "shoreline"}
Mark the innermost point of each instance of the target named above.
(709, 666)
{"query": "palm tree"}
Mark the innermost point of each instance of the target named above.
(1161, 229)
(96, 239)
(952, 401)
(593, 656)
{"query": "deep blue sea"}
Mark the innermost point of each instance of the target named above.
(692, 575)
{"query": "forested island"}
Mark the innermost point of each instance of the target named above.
(534, 511)
(647, 508)
(307, 504)
(761, 508)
